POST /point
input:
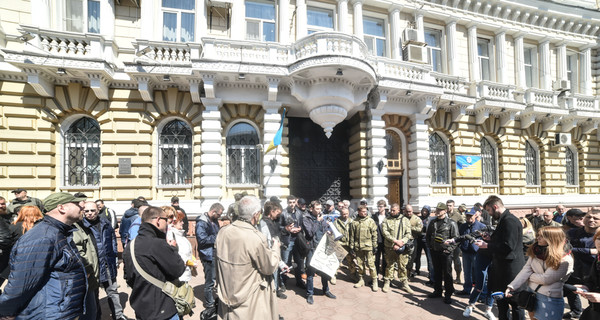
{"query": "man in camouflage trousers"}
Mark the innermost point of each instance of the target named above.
(343, 225)
(363, 241)
(416, 226)
(396, 232)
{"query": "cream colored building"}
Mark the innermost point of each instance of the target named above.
(181, 97)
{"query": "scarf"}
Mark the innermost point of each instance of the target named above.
(540, 252)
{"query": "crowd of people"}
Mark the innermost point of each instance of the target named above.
(57, 253)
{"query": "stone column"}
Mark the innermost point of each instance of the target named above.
(586, 71)
(342, 8)
(301, 19)
(211, 160)
(451, 48)
(238, 20)
(501, 67)
(377, 181)
(284, 25)
(419, 172)
(201, 21)
(561, 61)
(520, 62)
(358, 19)
(420, 27)
(544, 63)
(395, 31)
(272, 180)
(474, 74)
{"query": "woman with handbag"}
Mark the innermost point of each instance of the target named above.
(549, 265)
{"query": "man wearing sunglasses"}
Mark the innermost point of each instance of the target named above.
(47, 277)
(157, 258)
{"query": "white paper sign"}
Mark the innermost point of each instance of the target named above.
(326, 263)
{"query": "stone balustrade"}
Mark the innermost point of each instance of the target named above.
(451, 84)
(542, 98)
(245, 51)
(493, 90)
(328, 43)
(168, 52)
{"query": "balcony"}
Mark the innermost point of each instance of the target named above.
(167, 52)
(330, 43)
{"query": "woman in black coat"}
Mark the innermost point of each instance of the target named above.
(591, 289)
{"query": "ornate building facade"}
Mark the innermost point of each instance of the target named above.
(414, 101)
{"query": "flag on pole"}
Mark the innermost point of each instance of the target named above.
(277, 139)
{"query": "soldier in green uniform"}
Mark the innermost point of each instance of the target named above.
(416, 226)
(396, 231)
(343, 225)
(363, 241)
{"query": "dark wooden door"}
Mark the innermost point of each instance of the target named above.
(319, 167)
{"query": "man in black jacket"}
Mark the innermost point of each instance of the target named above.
(506, 245)
(156, 257)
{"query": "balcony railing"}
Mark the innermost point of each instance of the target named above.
(330, 43)
(245, 51)
(168, 52)
(493, 90)
(541, 98)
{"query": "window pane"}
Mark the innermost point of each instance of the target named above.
(432, 38)
(527, 55)
(259, 10)
(528, 76)
(531, 165)
(436, 59)
(74, 15)
(320, 17)
(373, 27)
(570, 167)
(482, 48)
(485, 69)
(253, 30)
(175, 144)
(169, 26)
(82, 150)
(187, 27)
(268, 31)
(369, 42)
(94, 16)
(179, 4)
(438, 155)
(243, 155)
(488, 163)
(381, 47)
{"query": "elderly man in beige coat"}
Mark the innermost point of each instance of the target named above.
(245, 266)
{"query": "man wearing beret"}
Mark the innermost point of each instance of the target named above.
(47, 279)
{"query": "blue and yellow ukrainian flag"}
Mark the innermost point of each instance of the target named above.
(277, 139)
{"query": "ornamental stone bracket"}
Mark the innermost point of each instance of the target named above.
(588, 126)
(458, 112)
(208, 79)
(41, 82)
(273, 84)
(549, 122)
(195, 90)
(99, 85)
(146, 88)
(481, 115)
(568, 123)
(527, 119)
(506, 118)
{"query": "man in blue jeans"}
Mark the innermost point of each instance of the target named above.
(469, 250)
(207, 227)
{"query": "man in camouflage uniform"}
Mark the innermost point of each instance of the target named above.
(363, 241)
(416, 226)
(459, 218)
(343, 225)
(396, 233)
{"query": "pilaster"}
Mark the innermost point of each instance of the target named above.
(238, 20)
(451, 48)
(420, 27)
(520, 62)
(211, 160)
(501, 67)
(301, 19)
(474, 74)
(561, 59)
(284, 35)
(586, 71)
(545, 72)
(107, 19)
(395, 32)
(419, 173)
(272, 161)
(342, 8)
(358, 19)
(376, 157)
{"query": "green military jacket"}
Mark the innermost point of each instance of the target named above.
(416, 226)
(396, 228)
(460, 218)
(363, 234)
(344, 228)
(86, 245)
(16, 204)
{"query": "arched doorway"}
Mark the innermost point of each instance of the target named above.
(395, 167)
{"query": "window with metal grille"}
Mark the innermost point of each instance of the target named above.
(82, 153)
(488, 163)
(531, 165)
(438, 157)
(175, 158)
(243, 155)
(571, 168)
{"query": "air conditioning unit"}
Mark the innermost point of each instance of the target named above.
(415, 53)
(562, 139)
(561, 85)
(411, 35)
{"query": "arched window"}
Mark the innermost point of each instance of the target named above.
(82, 153)
(243, 155)
(488, 163)
(571, 166)
(175, 159)
(438, 155)
(531, 165)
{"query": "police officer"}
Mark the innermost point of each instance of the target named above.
(439, 230)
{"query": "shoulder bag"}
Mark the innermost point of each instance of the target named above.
(181, 292)
(526, 299)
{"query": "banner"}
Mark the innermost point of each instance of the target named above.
(326, 256)
(468, 166)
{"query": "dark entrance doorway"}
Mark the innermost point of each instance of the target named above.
(319, 167)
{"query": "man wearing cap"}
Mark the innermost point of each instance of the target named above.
(469, 249)
(330, 212)
(47, 279)
(175, 205)
(21, 199)
(440, 230)
(573, 219)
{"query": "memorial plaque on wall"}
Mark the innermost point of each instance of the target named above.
(124, 165)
